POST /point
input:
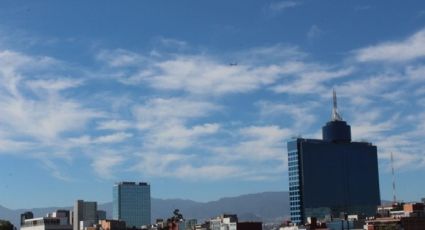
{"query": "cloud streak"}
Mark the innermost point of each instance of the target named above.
(396, 51)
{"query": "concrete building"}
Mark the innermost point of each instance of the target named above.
(132, 203)
(230, 222)
(85, 212)
(410, 217)
(58, 220)
(224, 222)
(112, 225)
(333, 175)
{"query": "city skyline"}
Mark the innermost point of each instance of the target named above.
(200, 99)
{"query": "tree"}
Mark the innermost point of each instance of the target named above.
(6, 225)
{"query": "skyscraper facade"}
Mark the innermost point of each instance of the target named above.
(132, 203)
(332, 176)
(85, 211)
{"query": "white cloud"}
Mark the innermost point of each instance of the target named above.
(283, 5)
(314, 32)
(105, 139)
(114, 125)
(53, 84)
(104, 165)
(301, 114)
(365, 90)
(200, 75)
(398, 51)
(113, 138)
(263, 142)
(159, 111)
(255, 143)
(311, 80)
(174, 43)
(177, 136)
(43, 119)
(120, 58)
(203, 74)
(415, 74)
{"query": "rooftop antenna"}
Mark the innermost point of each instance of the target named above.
(335, 114)
(392, 171)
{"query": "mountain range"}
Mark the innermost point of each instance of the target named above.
(266, 207)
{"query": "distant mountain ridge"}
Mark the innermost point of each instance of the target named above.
(266, 206)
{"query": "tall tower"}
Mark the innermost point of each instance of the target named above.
(334, 175)
(132, 203)
(85, 211)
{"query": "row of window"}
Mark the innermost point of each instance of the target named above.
(293, 183)
(292, 163)
(295, 203)
(293, 158)
(293, 173)
(294, 198)
(293, 153)
(297, 208)
(295, 193)
(294, 178)
(294, 187)
(293, 168)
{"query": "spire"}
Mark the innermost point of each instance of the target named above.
(392, 171)
(335, 114)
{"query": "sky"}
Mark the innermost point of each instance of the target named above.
(199, 98)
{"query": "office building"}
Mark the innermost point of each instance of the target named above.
(58, 220)
(333, 176)
(132, 203)
(84, 214)
(224, 222)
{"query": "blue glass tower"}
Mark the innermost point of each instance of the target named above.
(332, 176)
(132, 203)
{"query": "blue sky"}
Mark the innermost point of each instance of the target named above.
(97, 92)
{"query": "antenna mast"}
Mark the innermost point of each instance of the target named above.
(335, 114)
(392, 170)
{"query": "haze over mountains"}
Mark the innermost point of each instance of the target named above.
(266, 207)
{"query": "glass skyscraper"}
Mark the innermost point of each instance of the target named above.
(332, 176)
(132, 203)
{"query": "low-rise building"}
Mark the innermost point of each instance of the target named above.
(112, 225)
(409, 216)
(249, 226)
(58, 220)
(224, 222)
